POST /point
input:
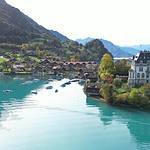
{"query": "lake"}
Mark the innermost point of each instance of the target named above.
(66, 120)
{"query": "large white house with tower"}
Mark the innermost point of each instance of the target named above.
(140, 69)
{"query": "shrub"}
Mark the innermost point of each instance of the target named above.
(145, 90)
(107, 92)
(117, 83)
(122, 98)
(136, 98)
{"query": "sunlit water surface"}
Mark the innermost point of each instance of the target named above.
(66, 120)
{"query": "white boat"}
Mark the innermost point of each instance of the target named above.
(7, 91)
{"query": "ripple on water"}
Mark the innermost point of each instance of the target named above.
(66, 120)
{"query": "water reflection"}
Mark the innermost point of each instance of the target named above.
(137, 122)
(60, 104)
(16, 98)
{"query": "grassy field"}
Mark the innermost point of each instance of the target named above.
(2, 59)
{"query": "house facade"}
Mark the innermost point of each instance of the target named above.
(140, 69)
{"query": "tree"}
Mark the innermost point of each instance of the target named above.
(74, 58)
(106, 92)
(117, 83)
(107, 68)
(122, 67)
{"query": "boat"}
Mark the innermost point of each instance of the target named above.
(51, 80)
(34, 92)
(49, 87)
(63, 85)
(56, 91)
(36, 80)
(7, 91)
(68, 83)
(75, 80)
(46, 82)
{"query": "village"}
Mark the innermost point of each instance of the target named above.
(30, 64)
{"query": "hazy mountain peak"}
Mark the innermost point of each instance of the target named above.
(84, 41)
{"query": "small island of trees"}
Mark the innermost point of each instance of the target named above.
(115, 90)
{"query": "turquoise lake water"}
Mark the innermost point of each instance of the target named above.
(66, 120)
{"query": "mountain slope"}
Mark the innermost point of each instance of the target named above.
(142, 47)
(130, 50)
(59, 36)
(16, 27)
(96, 50)
(116, 51)
(92, 51)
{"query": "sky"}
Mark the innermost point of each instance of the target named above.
(124, 22)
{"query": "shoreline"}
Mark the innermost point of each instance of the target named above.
(96, 98)
(99, 99)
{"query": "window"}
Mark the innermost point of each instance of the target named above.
(138, 75)
(133, 75)
(143, 75)
(140, 69)
(147, 75)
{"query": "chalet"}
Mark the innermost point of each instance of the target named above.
(18, 67)
(140, 69)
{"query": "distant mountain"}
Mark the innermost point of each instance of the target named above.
(84, 41)
(59, 36)
(96, 49)
(92, 51)
(142, 47)
(130, 50)
(115, 50)
(16, 27)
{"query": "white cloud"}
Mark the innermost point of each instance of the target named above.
(121, 21)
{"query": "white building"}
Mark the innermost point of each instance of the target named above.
(140, 69)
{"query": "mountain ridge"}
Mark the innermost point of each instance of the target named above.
(60, 36)
(19, 29)
(114, 49)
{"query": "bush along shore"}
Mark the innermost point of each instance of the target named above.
(113, 89)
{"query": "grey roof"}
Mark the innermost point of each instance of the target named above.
(143, 56)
